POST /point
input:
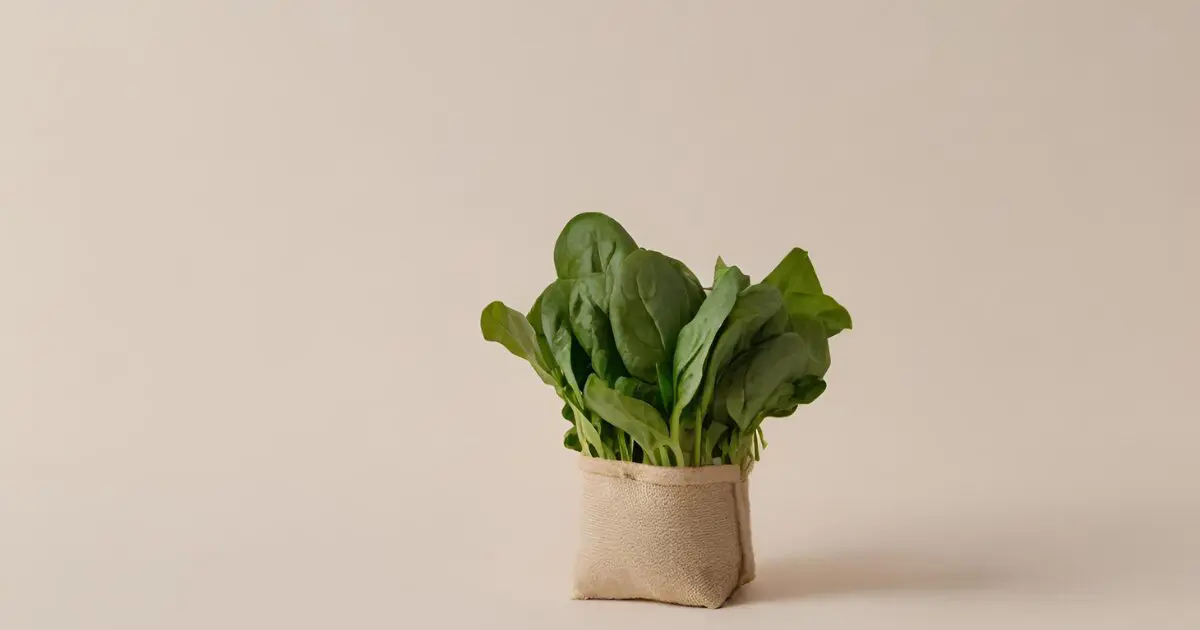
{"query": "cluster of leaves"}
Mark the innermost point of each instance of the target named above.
(651, 366)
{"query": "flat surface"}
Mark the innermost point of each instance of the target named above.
(244, 247)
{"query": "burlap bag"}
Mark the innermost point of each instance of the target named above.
(677, 535)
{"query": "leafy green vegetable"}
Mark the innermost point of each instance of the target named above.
(694, 288)
(757, 306)
(719, 270)
(571, 440)
(762, 380)
(637, 418)
(556, 326)
(652, 367)
(590, 243)
(695, 340)
(794, 274)
(797, 280)
(641, 390)
(510, 329)
(651, 301)
(816, 339)
(587, 310)
(544, 351)
(820, 307)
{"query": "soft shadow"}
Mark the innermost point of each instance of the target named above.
(862, 573)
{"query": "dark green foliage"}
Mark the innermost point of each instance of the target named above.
(651, 367)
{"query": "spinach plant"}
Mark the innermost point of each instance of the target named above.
(651, 366)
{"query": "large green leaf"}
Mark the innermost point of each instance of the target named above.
(763, 380)
(589, 322)
(590, 243)
(695, 290)
(697, 336)
(796, 279)
(820, 307)
(651, 301)
(635, 417)
(795, 274)
(556, 326)
(640, 390)
(571, 440)
(510, 329)
(718, 270)
(757, 307)
(816, 341)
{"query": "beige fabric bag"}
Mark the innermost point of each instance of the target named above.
(677, 535)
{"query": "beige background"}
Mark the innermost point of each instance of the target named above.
(243, 249)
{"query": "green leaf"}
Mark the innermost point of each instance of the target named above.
(719, 270)
(556, 326)
(795, 274)
(808, 389)
(820, 307)
(589, 322)
(590, 243)
(640, 390)
(694, 288)
(651, 301)
(816, 340)
(633, 416)
(571, 440)
(510, 329)
(796, 279)
(697, 336)
(756, 307)
(547, 355)
(762, 380)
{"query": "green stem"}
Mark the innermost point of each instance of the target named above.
(622, 447)
(698, 443)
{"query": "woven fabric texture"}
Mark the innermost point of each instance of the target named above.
(675, 535)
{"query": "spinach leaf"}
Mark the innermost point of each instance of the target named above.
(756, 307)
(762, 380)
(694, 288)
(587, 309)
(571, 440)
(535, 321)
(590, 243)
(651, 301)
(510, 329)
(796, 278)
(795, 274)
(719, 270)
(633, 416)
(816, 339)
(697, 336)
(808, 389)
(556, 326)
(822, 308)
(640, 390)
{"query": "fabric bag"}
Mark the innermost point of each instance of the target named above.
(675, 535)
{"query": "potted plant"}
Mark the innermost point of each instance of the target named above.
(665, 384)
